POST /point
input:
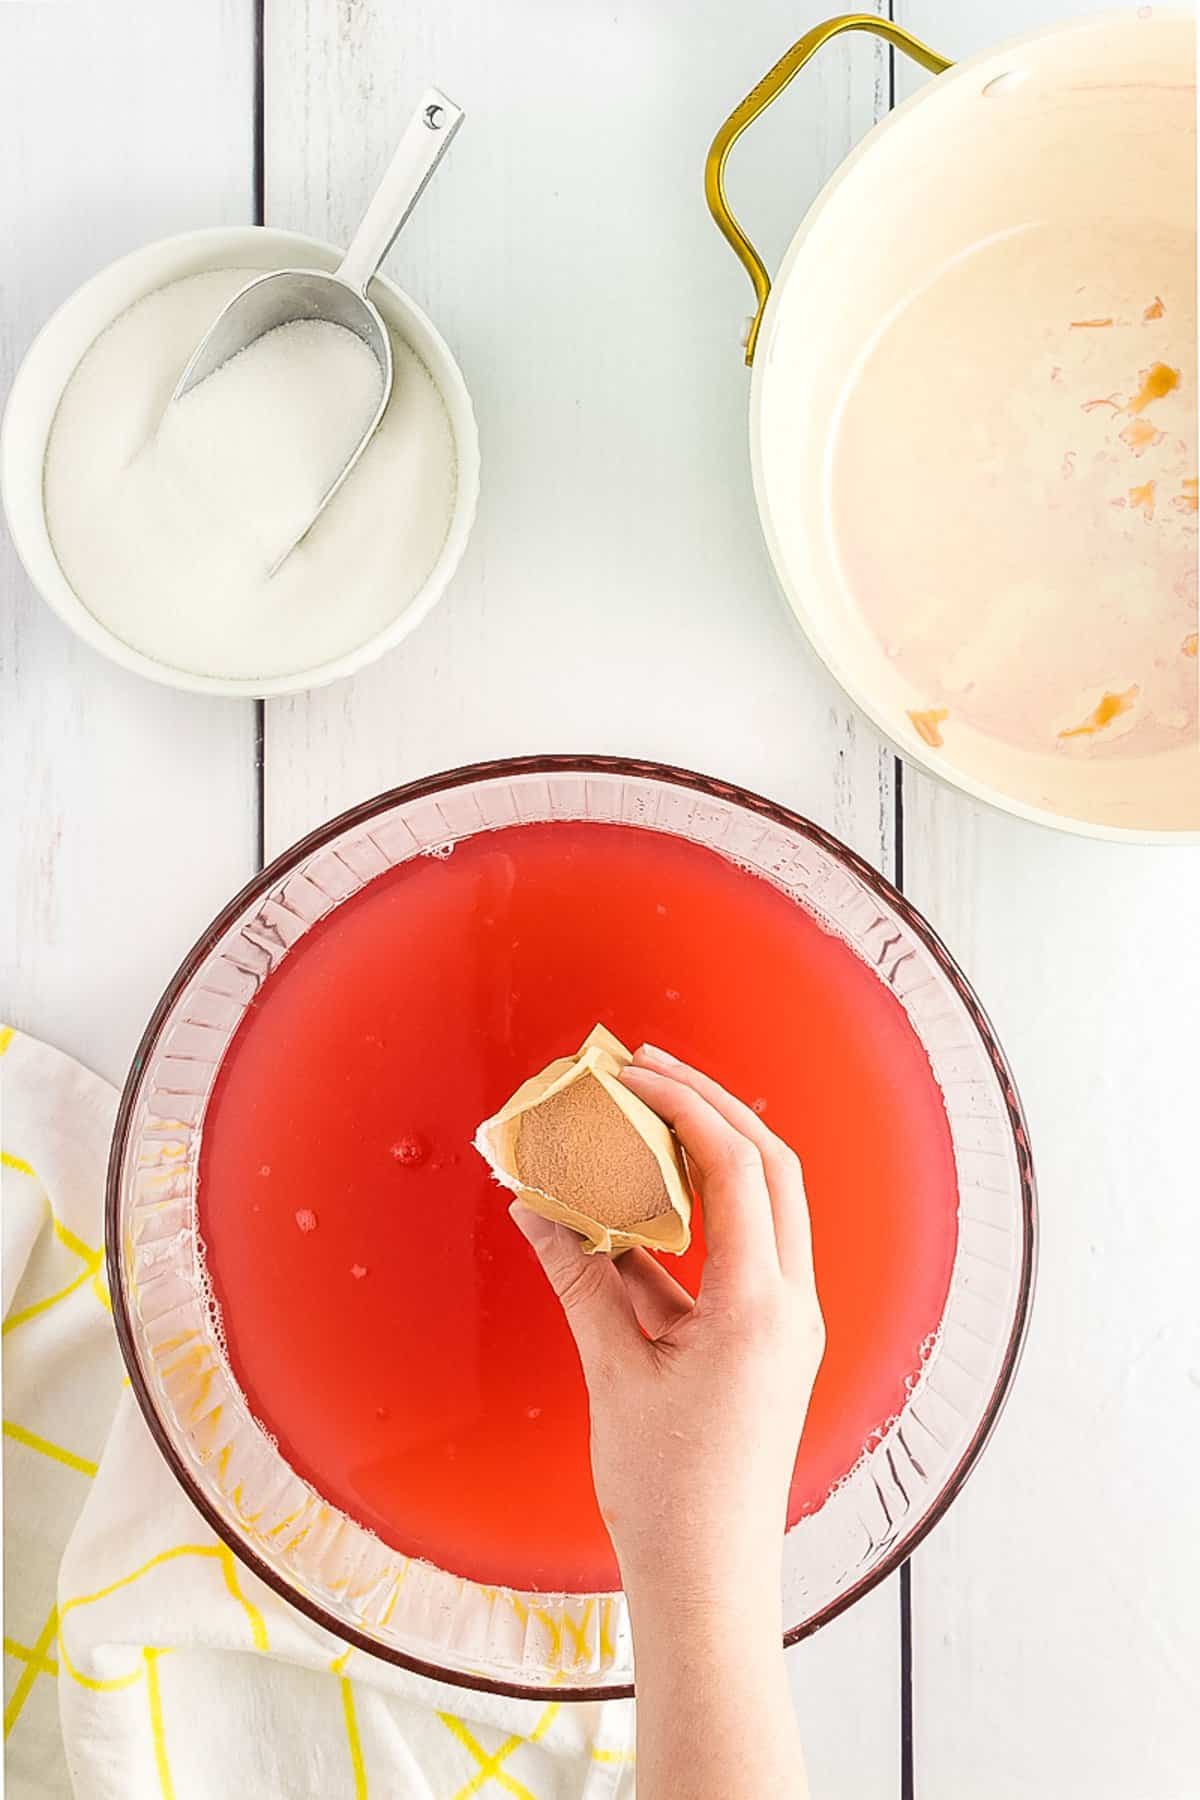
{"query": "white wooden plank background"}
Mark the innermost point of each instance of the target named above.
(616, 596)
(1056, 1635)
(131, 809)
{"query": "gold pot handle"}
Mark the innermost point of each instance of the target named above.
(757, 101)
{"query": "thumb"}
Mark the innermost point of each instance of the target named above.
(595, 1300)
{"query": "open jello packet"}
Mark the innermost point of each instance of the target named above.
(578, 1147)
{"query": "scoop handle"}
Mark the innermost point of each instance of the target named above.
(426, 139)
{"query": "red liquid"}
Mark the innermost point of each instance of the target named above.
(405, 1349)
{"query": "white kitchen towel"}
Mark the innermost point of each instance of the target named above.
(142, 1662)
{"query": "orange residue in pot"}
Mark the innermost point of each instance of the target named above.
(1188, 646)
(1110, 707)
(1081, 527)
(1139, 434)
(1112, 400)
(1158, 380)
(928, 725)
(1186, 499)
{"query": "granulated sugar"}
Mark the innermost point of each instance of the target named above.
(579, 1147)
(166, 520)
(253, 449)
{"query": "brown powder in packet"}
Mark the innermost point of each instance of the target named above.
(579, 1147)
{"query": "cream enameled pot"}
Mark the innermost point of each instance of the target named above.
(1068, 135)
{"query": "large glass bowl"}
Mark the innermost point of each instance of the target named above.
(409, 1612)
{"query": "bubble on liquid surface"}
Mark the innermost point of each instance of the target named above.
(410, 1151)
(306, 1219)
(211, 1308)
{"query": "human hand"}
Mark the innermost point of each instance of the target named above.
(697, 1406)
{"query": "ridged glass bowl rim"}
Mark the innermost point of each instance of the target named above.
(498, 769)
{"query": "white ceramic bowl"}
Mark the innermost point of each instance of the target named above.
(53, 358)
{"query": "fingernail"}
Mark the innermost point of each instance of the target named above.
(650, 1053)
(530, 1224)
(634, 1072)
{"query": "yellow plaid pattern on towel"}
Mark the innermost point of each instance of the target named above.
(137, 1647)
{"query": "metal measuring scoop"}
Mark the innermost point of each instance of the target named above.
(340, 298)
